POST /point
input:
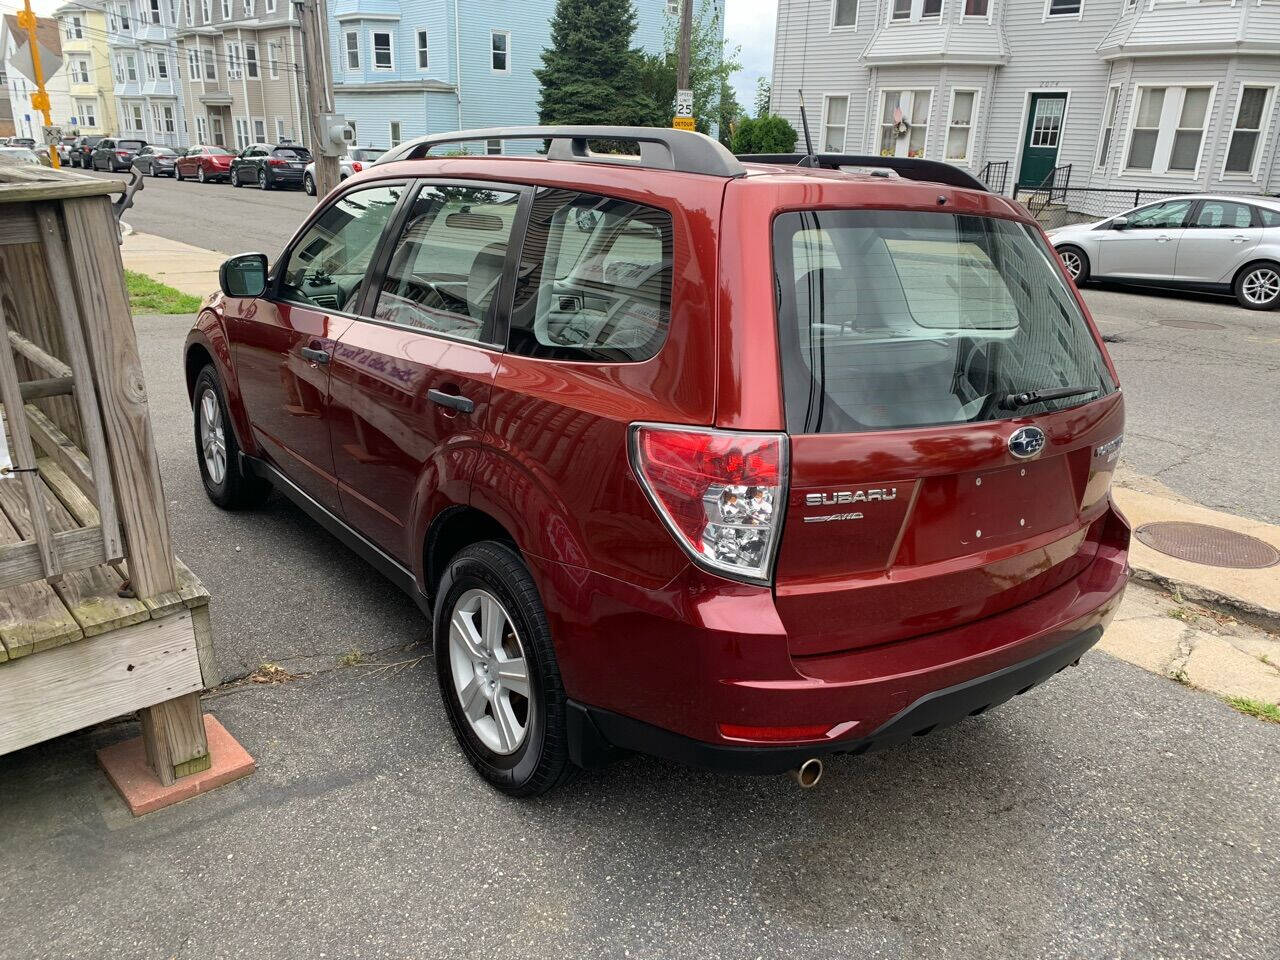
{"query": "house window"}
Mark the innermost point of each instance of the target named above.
(242, 133)
(113, 21)
(844, 13)
(673, 8)
(1046, 127)
(423, 58)
(500, 51)
(80, 70)
(169, 125)
(155, 12)
(273, 59)
(260, 131)
(901, 10)
(75, 30)
(124, 16)
(904, 122)
(151, 68)
(351, 125)
(964, 109)
(382, 59)
(210, 66)
(88, 112)
(976, 8)
(162, 66)
(283, 130)
(396, 139)
(930, 9)
(205, 10)
(251, 60)
(233, 61)
(353, 50)
(915, 10)
(1108, 128)
(155, 118)
(202, 129)
(1242, 152)
(493, 148)
(190, 19)
(248, 8)
(1063, 8)
(130, 68)
(215, 126)
(118, 63)
(1168, 129)
(835, 118)
(270, 6)
(226, 9)
(193, 65)
(136, 110)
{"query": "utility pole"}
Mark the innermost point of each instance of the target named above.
(39, 99)
(315, 69)
(684, 94)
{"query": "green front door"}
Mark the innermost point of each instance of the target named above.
(1041, 138)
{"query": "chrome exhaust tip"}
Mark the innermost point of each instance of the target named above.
(808, 773)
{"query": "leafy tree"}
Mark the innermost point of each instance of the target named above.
(731, 113)
(591, 74)
(764, 90)
(770, 134)
(711, 64)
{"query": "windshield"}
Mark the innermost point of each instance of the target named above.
(892, 319)
(365, 155)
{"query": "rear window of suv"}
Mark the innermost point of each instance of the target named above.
(892, 319)
(130, 144)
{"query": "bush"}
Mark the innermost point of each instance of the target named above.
(771, 134)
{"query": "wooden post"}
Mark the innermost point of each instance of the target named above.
(173, 731)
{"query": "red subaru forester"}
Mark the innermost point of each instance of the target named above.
(737, 463)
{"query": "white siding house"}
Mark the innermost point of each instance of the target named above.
(1134, 95)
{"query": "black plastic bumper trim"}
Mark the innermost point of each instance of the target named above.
(596, 735)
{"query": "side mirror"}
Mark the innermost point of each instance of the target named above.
(244, 276)
(1120, 223)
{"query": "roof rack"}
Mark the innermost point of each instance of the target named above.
(660, 148)
(912, 168)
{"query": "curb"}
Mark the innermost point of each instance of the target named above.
(1254, 613)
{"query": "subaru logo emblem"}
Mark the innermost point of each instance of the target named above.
(1026, 442)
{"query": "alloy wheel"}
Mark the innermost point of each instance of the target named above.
(200, 174)
(490, 672)
(262, 179)
(1261, 286)
(212, 439)
(1071, 261)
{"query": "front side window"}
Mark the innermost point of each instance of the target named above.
(976, 8)
(446, 268)
(396, 138)
(1168, 129)
(162, 66)
(251, 60)
(600, 285)
(844, 13)
(834, 120)
(80, 70)
(424, 59)
(1160, 216)
(500, 51)
(155, 11)
(1242, 153)
(130, 67)
(259, 129)
(893, 319)
(901, 9)
(960, 128)
(327, 266)
(1223, 215)
(382, 59)
(206, 13)
(353, 50)
(226, 9)
(1063, 8)
(904, 122)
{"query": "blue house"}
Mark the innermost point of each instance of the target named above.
(405, 69)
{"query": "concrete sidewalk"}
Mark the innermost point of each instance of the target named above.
(184, 267)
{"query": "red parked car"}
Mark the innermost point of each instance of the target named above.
(738, 463)
(204, 163)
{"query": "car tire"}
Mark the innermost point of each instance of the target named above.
(309, 185)
(235, 179)
(225, 481)
(177, 175)
(1075, 262)
(264, 183)
(200, 176)
(1257, 286)
(488, 584)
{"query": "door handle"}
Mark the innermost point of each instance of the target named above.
(315, 356)
(451, 400)
(1163, 239)
(1239, 239)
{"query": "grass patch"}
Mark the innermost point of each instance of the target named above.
(1256, 708)
(152, 296)
(352, 658)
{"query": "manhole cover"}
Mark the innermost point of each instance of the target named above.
(1212, 546)
(1192, 324)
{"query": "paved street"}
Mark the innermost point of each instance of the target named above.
(1109, 813)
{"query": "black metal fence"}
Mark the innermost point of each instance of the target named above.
(1067, 205)
(995, 175)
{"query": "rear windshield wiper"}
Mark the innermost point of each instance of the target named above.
(1013, 401)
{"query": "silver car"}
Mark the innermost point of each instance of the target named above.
(1224, 244)
(357, 159)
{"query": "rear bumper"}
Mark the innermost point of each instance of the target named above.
(594, 734)
(668, 671)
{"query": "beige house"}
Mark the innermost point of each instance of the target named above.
(240, 63)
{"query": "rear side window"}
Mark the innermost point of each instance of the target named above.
(1270, 218)
(892, 319)
(1224, 214)
(594, 280)
(447, 265)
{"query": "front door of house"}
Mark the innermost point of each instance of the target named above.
(1041, 138)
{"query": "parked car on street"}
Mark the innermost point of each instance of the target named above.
(64, 149)
(22, 142)
(114, 154)
(267, 166)
(1217, 243)
(204, 163)
(737, 463)
(356, 159)
(18, 157)
(82, 152)
(155, 161)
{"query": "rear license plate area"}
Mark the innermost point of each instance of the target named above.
(1014, 503)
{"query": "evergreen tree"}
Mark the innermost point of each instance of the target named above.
(764, 91)
(590, 74)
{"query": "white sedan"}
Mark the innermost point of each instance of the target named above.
(355, 161)
(1223, 244)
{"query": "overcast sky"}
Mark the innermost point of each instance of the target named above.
(749, 24)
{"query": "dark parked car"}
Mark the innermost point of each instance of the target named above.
(730, 462)
(204, 162)
(115, 154)
(266, 165)
(82, 151)
(154, 161)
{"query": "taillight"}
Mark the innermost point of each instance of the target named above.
(722, 495)
(122, 153)
(356, 166)
(275, 161)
